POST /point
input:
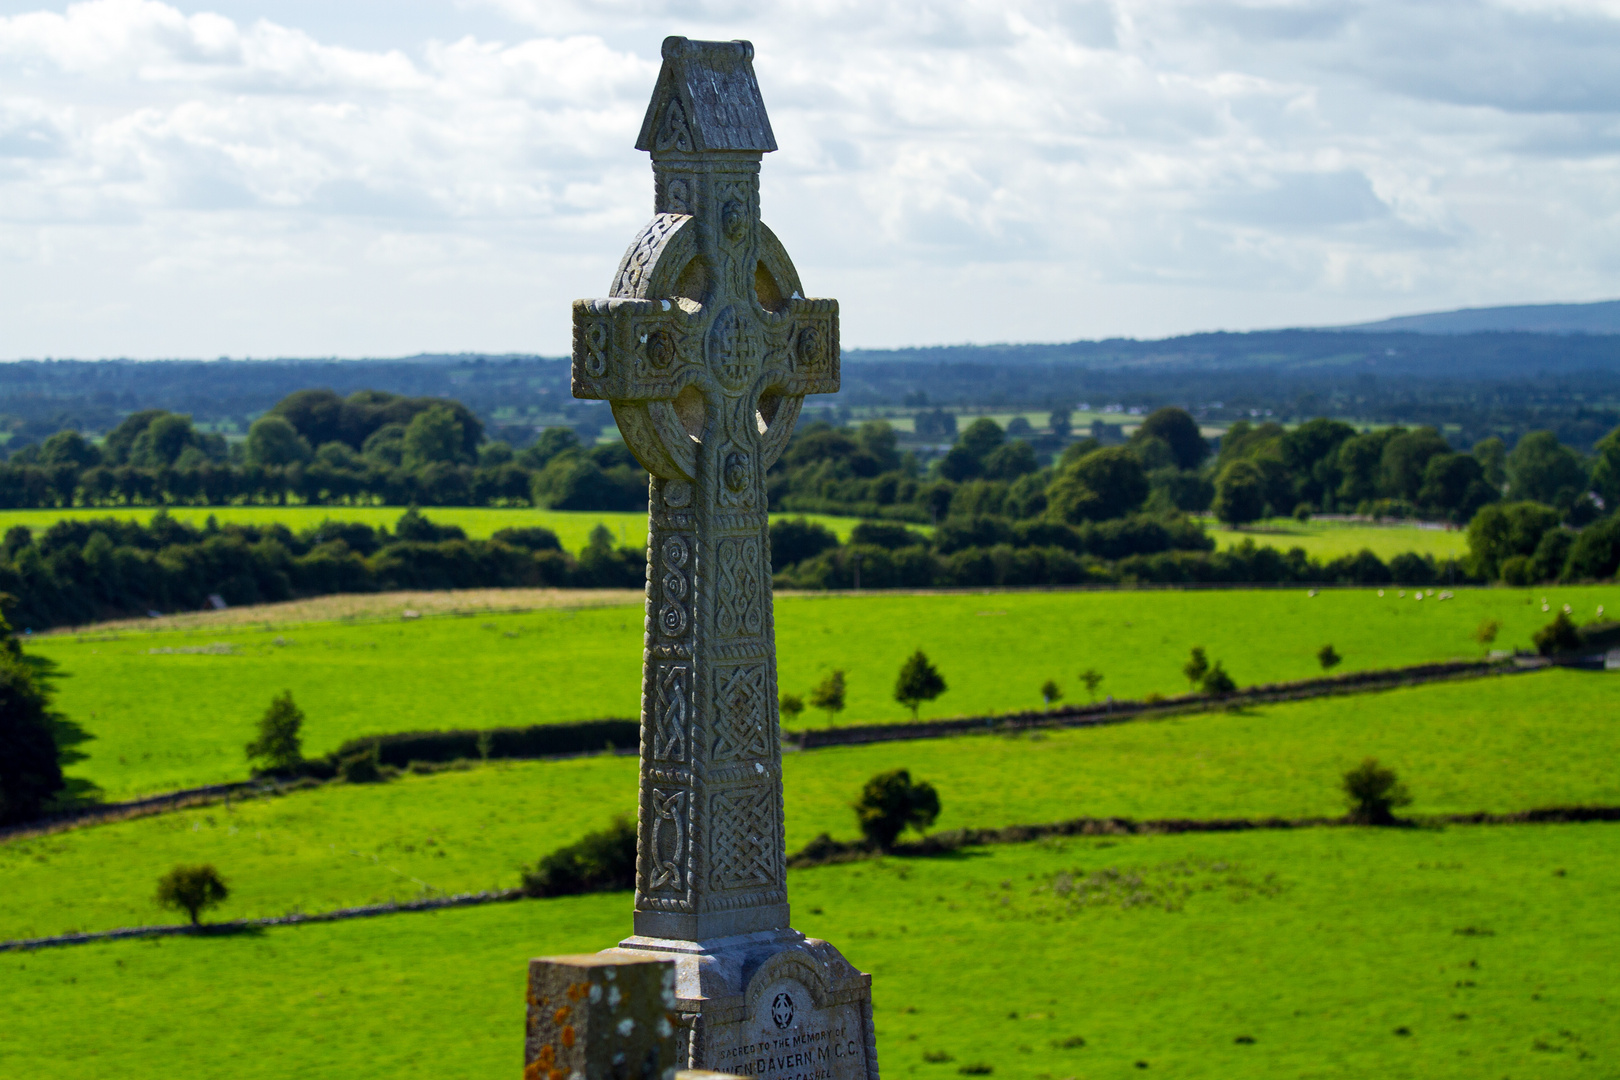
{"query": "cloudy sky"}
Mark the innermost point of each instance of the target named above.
(382, 177)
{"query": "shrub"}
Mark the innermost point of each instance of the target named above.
(1486, 631)
(1051, 693)
(1373, 792)
(191, 889)
(1328, 657)
(602, 861)
(1196, 667)
(890, 803)
(1216, 681)
(279, 745)
(1557, 636)
(919, 681)
(791, 705)
(362, 768)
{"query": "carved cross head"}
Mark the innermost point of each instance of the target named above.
(706, 345)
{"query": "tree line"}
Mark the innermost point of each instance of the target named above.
(314, 447)
(80, 571)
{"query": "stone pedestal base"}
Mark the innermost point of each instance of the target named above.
(775, 1005)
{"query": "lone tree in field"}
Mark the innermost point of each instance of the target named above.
(829, 695)
(1373, 792)
(1196, 667)
(1216, 681)
(919, 681)
(1557, 636)
(1051, 693)
(890, 803)
(1093, 679)
(792, 705)
(1485, 633)
(191, 889)
(1328, 658)
(279, 746)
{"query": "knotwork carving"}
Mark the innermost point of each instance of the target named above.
(742, 722)
(734, 349)
(673, 134)
(742, 824)
(667, 840)
(673, 617)
(739, 608)
(669, 712)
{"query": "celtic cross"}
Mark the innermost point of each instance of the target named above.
(705, 349)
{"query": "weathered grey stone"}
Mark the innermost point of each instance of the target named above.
(601, 1016)
(706, 348)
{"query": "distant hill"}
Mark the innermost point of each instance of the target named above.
(1602, 317)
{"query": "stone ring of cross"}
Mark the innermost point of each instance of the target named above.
(706, 345)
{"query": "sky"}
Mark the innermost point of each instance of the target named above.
(200, 178)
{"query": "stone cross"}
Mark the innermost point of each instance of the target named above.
(705, 349)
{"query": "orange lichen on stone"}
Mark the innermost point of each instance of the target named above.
(579, 990)
(555, 1074)
(561, 1016)
(531, 1071)
(568, 1035)
(547, 1057)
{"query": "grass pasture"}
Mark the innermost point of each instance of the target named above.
(1501, 744)
(1461, 953)
(1326, 540)
(571, 526)
(172, 709)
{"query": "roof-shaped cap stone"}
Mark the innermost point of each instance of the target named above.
(706, 99)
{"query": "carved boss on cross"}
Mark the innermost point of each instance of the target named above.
(706, 345)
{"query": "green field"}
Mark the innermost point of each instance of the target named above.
(1500, 744)
(1326, 540)
(166, 718)
(1468, 952)
(571, 526)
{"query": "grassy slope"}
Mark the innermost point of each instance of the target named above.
(173, 720)
(571, 526)
(1502, 744)
(1330, 539)
(1358, 939)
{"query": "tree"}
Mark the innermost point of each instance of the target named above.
(828, 696)
(1557, 636)
(1503, 530)
(1486, 631)
(1051, 693)
(1104, 484)
(433, 435)
(279, 745)
(30, 759)
(1093, 679)
(1239, 494)
(272, 440)
(791, 705)
(192, 889)
(1373, 792)
(1061, 421)
(1179, 431)
(1196, 667)
(890, 803)
(1328, 657)
(1218, 682)
(1542, 469)
(919, 681)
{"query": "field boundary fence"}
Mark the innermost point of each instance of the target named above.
(825, 851)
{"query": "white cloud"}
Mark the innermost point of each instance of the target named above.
(177, 183)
